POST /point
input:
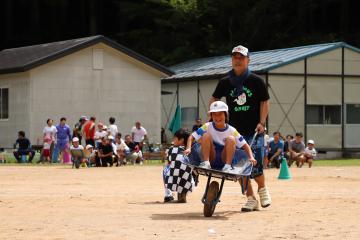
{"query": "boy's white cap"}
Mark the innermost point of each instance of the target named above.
(311, 142)
(89, 146)
(218, 106)
(75, 139)
(110, 137)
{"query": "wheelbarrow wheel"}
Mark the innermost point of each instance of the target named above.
(209, 205)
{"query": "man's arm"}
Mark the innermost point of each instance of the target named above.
(264, 111)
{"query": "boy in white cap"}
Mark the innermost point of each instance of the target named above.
(219, 140)
(310, 153)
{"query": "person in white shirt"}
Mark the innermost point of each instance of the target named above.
(100, 134)
(310, 153)
(113, 129)
(219, 140)
(77, 152)
(50, 131)
(121, 150)
(139, 134)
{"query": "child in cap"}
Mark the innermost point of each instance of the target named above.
(46, 149)
(310, 153)
(218, 141)
(177, 175)
(90, 154)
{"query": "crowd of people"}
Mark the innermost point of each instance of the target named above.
(103, 145)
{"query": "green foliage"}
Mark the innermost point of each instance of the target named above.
(172, 31)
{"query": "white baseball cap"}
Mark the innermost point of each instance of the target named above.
(75, 139)
(240, 49)
(89, 146)
(110, 137)
(311, 142)
(218, 106)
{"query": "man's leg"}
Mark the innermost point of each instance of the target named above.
(31, 155)
(17, 156)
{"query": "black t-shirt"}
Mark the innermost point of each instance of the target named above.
(195, 127)
(24, 143)
(244, 110)
(131, 146)
(105, 148)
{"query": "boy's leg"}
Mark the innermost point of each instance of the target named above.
(228, 152)
(207, 148)
(310, 161)
(17, 156)
(31, 155)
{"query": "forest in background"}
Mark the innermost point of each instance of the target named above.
(172, 31)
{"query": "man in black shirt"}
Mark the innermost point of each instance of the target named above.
(24, 147)
(248, 100)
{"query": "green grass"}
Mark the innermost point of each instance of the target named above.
(10, 159)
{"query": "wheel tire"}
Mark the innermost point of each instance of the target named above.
(213, 190)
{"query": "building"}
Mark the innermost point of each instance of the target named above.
(92, 76)
(313, 89)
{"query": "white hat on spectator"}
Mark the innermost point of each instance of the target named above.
(110, 137)
(75, 139)
(104, 127)
(311, 142)
(89, 146)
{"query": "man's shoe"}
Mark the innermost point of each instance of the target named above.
(205, 164)
(168, 199)
(251, 205)
(265, 198)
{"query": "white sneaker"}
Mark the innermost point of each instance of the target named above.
(251, 205)
(227, 169)
(265, 198)
(205, 164)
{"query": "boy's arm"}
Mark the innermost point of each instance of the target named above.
(189, 143)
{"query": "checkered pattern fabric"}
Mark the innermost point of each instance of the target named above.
(179, 178)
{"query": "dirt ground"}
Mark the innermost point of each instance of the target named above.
(58, 202)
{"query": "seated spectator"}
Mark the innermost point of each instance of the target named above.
(134, 155)
(90, 154)
(100, 134)
(24, 148)
(197, 125)
(121, 150)
(297, 150)
(286, 146)
(77, 152)
(105, 152)
(310, 153)
(276, 147)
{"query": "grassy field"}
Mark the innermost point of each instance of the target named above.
(324, 162)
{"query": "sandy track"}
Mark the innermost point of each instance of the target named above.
(126, 203)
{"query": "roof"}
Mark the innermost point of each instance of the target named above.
(261, 61)
(25, 58)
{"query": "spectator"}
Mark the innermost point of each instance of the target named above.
(197, 125)
(139, 134)
(276, 148)
(63, 136)
(100, 134)
(105, 152)
(89, 131)
(134, 155)
(45, 154)
(50, 132)
(310, 153)
(286, 146)
(77, 151)
(91, 154)
(297, 150)
(77, 131)
(113, 129)
(121, 150)
(163, 137)
(24, 148)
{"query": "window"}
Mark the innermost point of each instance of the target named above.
(4, 103)
(353, 113)
(323, 114)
